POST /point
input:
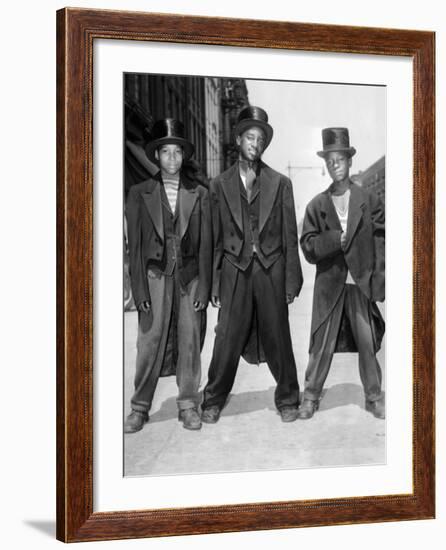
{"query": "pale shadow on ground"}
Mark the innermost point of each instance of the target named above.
(236, 404)
(340, 395)
(336, 396)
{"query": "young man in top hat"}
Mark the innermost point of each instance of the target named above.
(170, 247)
(256, 271)
(343, 234)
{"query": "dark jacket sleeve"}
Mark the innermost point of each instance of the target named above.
(378, 290)
(140, 288)
(318, 245)
(293, 270)
(217, 238)
(205, 250)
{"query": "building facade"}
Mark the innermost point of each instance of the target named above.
(374, 178)
(212, 97)
(208, 108)
(234, 97)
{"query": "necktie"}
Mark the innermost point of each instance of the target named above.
(250, 175)
(250, 179)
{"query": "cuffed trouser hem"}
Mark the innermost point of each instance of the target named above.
(184, 404)
(374, 397)
(139, 408)
(291, 406)
(309, 396)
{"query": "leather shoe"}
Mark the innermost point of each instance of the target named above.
(307, 409)
(135, 421)
(377, 408)
(190, 418)
(288, 414)
(210, 415)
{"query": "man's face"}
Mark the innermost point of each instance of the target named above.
(170, 157)
(338, 165)
(251, 143)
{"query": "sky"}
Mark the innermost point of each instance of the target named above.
(298, 111)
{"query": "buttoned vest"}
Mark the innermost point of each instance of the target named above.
(172, 247)
(250, 220)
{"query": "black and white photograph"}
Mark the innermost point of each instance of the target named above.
(254, 274)
(215, 397)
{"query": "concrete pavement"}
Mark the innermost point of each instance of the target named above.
(250, 435)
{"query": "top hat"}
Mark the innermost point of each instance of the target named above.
(254, 116)
(336, 139)
(165, 131)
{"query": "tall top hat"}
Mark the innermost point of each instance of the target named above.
(336, 139)
(254, 116)
(165, 131)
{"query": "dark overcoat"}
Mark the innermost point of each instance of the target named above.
(146, 236)
(277, 232)
(148, 250)
(363, 256)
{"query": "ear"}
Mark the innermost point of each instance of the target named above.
(238, 140)
(156, 155)
(350, 162)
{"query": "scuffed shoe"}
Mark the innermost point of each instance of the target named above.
(377, 408)
(211, 415)
(288, 414)
(135, 421)
(307, 409)
(190, 418)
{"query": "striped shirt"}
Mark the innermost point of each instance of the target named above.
(171, 184)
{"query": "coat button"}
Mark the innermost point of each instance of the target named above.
(232, 247)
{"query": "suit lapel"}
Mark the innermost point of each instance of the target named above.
(268, 185)
(231, 190)
(329, 212)
(185, 204)
(355, 212)
(255, 191)
(152, 200)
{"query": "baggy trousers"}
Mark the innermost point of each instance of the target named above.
(168, 299)
(260, 292)
(356, 306)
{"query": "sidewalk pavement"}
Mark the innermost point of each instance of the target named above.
(250, 434)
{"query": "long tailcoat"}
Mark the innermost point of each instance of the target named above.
(277, 232)
(364, 256)
(144, 213)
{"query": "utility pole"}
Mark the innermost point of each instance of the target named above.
(290, 168)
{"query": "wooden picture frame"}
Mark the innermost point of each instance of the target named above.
(77, 29)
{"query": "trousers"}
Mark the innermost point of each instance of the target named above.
(171, 310)
(243, 294)
(356, 306)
